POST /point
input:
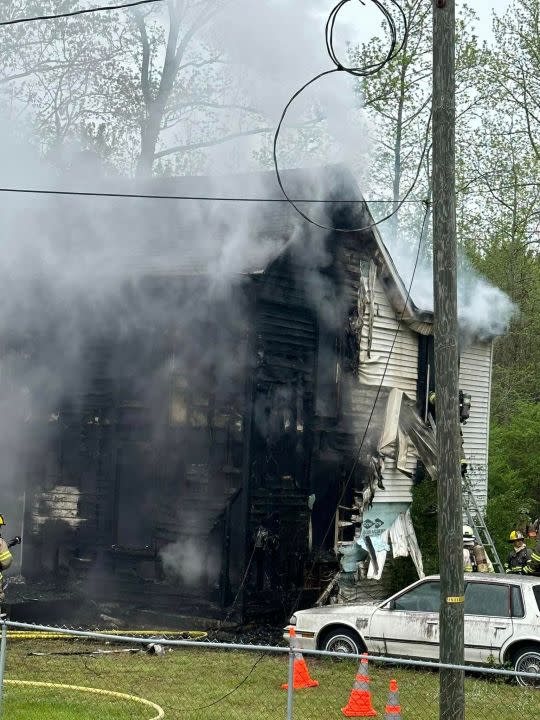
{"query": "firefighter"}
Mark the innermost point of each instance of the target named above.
(469, 562)
(533, 565)
(6, 558)
(475, 558)
(520, 555)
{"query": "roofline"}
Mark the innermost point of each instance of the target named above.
(420, 320)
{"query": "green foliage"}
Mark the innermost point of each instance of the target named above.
(401, 571)
(424, 517)
(514, 472)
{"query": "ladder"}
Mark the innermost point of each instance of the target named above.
(473, 511)
(474, 514)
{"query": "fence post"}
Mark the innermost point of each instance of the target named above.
(3, 648)
(290, 688)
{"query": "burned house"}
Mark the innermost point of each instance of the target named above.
(191, 453)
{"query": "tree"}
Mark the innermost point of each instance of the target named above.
(500, 190)
(143, 87)
(398, 103)
(514, 473)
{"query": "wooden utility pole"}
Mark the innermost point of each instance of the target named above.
(452, 691)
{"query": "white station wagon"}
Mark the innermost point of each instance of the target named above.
(502, 623)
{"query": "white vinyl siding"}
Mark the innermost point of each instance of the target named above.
(475, 379)
(402, 370)
(401, 373)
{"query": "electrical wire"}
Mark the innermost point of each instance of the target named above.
(377, 395)
(374, 68)
(361, 71)
(229, 613)
(231, 692)
(241, 586)
(87, 11)
(202, 198)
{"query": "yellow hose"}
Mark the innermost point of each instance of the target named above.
(43, 635)
(94, 691)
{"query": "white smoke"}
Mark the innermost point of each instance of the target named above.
(484, 311)
(275, 47)
(186, 560)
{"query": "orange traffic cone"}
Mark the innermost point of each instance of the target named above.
(301, 677)
(359, 705)
(393, 708)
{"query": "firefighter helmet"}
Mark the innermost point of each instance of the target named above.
(468, 533)
(515, 535)
(2, 521)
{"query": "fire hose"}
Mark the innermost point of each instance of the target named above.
(151, 634)
(95, 691)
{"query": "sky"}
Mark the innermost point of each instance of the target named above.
(369, 21)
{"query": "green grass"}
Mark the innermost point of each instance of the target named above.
(24, 704)
(185, 682)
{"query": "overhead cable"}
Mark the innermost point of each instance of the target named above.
(202, 198)
(87, 11)
(360, 71)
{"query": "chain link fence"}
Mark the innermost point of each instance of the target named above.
(72, 675)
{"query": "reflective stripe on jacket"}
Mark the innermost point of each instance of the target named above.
(6, 558)
(533, 566)
(518, 560)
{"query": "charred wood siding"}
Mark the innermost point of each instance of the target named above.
(284, 374)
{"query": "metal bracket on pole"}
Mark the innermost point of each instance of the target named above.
(3, 647)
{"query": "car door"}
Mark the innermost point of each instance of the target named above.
(488, 619)
(408, 624)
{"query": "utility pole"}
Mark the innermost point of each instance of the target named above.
(451, 624)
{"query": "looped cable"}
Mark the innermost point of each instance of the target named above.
(394, 50)
(365, 71)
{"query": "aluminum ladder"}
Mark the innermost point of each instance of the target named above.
(473, 511)
(474, 514)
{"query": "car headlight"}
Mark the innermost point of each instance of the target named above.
(292, 621)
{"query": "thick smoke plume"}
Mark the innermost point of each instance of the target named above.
(74, 271)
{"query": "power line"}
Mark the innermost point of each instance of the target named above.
(202, 198)
(240, 199)
(88, 11)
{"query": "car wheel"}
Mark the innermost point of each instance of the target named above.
(527, 659)
(342, 640)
